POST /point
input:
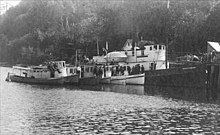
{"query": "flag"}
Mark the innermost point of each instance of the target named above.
(106, 45)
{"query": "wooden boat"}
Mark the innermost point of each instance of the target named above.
(43, 74)
(22, 79)
(138, 79)
(117, 77)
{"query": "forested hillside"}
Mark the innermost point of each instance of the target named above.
(40, 30)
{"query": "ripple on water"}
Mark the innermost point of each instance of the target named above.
(33, 109)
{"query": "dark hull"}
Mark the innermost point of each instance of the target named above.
(106, 80)
(89, 81)
(51, 81)
(73, 79)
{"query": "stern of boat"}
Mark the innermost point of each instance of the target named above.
(8, 79)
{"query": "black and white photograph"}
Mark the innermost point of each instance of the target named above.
(109, 67)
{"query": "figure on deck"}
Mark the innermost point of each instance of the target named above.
(142, 69)
(129, 70)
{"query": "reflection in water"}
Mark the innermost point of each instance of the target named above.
(185, 93)
(105, 109)
(128, 89)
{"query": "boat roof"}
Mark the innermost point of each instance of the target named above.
(214, 45)
(59, 61)
(21, 68)
(29, 68)
(115, 54)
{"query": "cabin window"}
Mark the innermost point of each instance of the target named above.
(155, 47)
(87, 69)
(82, 69)
(91, 69)
(150, 48)
(142, 52)
(160, 47)
(126, 53)
(71, 70)
(153, 66)
(63, 64)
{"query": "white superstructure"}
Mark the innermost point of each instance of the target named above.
(151, 56)
(54, 69)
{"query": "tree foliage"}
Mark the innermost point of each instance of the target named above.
(39, 30)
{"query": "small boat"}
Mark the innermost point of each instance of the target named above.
(30, 80)
(54, 73)
(138, 79)
(120, 75)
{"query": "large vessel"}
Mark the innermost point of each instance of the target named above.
(134, 59)
(152, 56)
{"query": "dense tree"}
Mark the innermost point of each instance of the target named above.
(40, 30)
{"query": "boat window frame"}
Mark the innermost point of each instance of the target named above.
(63, 64)
(87, 69)
(91, 69)
(71, 70)
(142, 52)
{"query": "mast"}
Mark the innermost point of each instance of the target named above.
(166, 55)
(97, 43)
(166, 34)
(76, 58)
(106, 47)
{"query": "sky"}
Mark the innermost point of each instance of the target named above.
(8, 4)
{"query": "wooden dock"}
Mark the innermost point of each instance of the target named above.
(200, 81)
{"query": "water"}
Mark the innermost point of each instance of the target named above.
(108, 109)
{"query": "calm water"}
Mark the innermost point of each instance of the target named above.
(41, 109)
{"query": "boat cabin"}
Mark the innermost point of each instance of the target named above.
(84, 71)
(54, 69)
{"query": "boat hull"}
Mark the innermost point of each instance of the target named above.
(29, 80)
(118, 80)
(89, 81)
(138, 79)
(106, 80)
(72, 79)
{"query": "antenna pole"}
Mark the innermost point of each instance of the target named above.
(97, 47)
